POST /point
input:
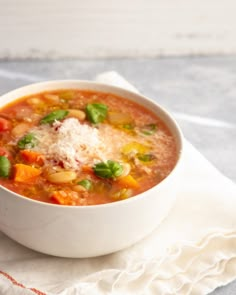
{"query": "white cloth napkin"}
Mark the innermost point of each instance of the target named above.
(192, 252)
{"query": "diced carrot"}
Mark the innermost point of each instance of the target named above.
(25, 173)
(32, 157)
(4, 124)
(87, 169)
(128, 181)
(64, 197)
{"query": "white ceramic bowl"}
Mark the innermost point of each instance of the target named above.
(88, 231)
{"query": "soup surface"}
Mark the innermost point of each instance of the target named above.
(76, 147)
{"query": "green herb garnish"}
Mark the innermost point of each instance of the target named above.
(53, 116)
(27, 142)
(87, 184)
(109, 169)
(145, 157)
(149, 129)
(5, 166)
(96, 112)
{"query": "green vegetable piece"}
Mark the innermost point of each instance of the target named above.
(87, 184)
(110, 169)
(53, 116)
(27, 142)
(145, 157)
(149, 129)
(5, 166)
(96, 112)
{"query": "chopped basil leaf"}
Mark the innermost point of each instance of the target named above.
(53, 116)
(96, 112)
(145, 157)
(5, 166)
(149, 129)
(87, 184)
(27, 142)
(109, 169)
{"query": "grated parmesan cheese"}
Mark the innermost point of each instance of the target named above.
(70, 142)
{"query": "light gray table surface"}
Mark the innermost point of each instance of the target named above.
(199, 91)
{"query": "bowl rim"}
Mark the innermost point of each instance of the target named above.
(107, 88)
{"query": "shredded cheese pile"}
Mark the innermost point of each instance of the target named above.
(70, 142)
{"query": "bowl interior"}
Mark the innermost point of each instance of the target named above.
(163, 114)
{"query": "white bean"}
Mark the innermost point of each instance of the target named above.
(20, 129)
(78, 114)
(126, 170)
(34, 101)
(52, 97)
(61, 177)
(79, 188)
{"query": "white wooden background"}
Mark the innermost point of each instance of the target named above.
(116, 28)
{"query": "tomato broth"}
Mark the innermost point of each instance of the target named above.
(76, 147)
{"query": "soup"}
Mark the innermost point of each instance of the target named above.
(77, 147)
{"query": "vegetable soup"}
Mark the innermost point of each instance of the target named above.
(77, 147)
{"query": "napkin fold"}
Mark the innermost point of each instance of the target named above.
(193, 251)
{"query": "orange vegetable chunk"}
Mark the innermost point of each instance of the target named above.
(64, 197)
(32, 157)
(128, 181)
(25, 173)
(87, 169)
